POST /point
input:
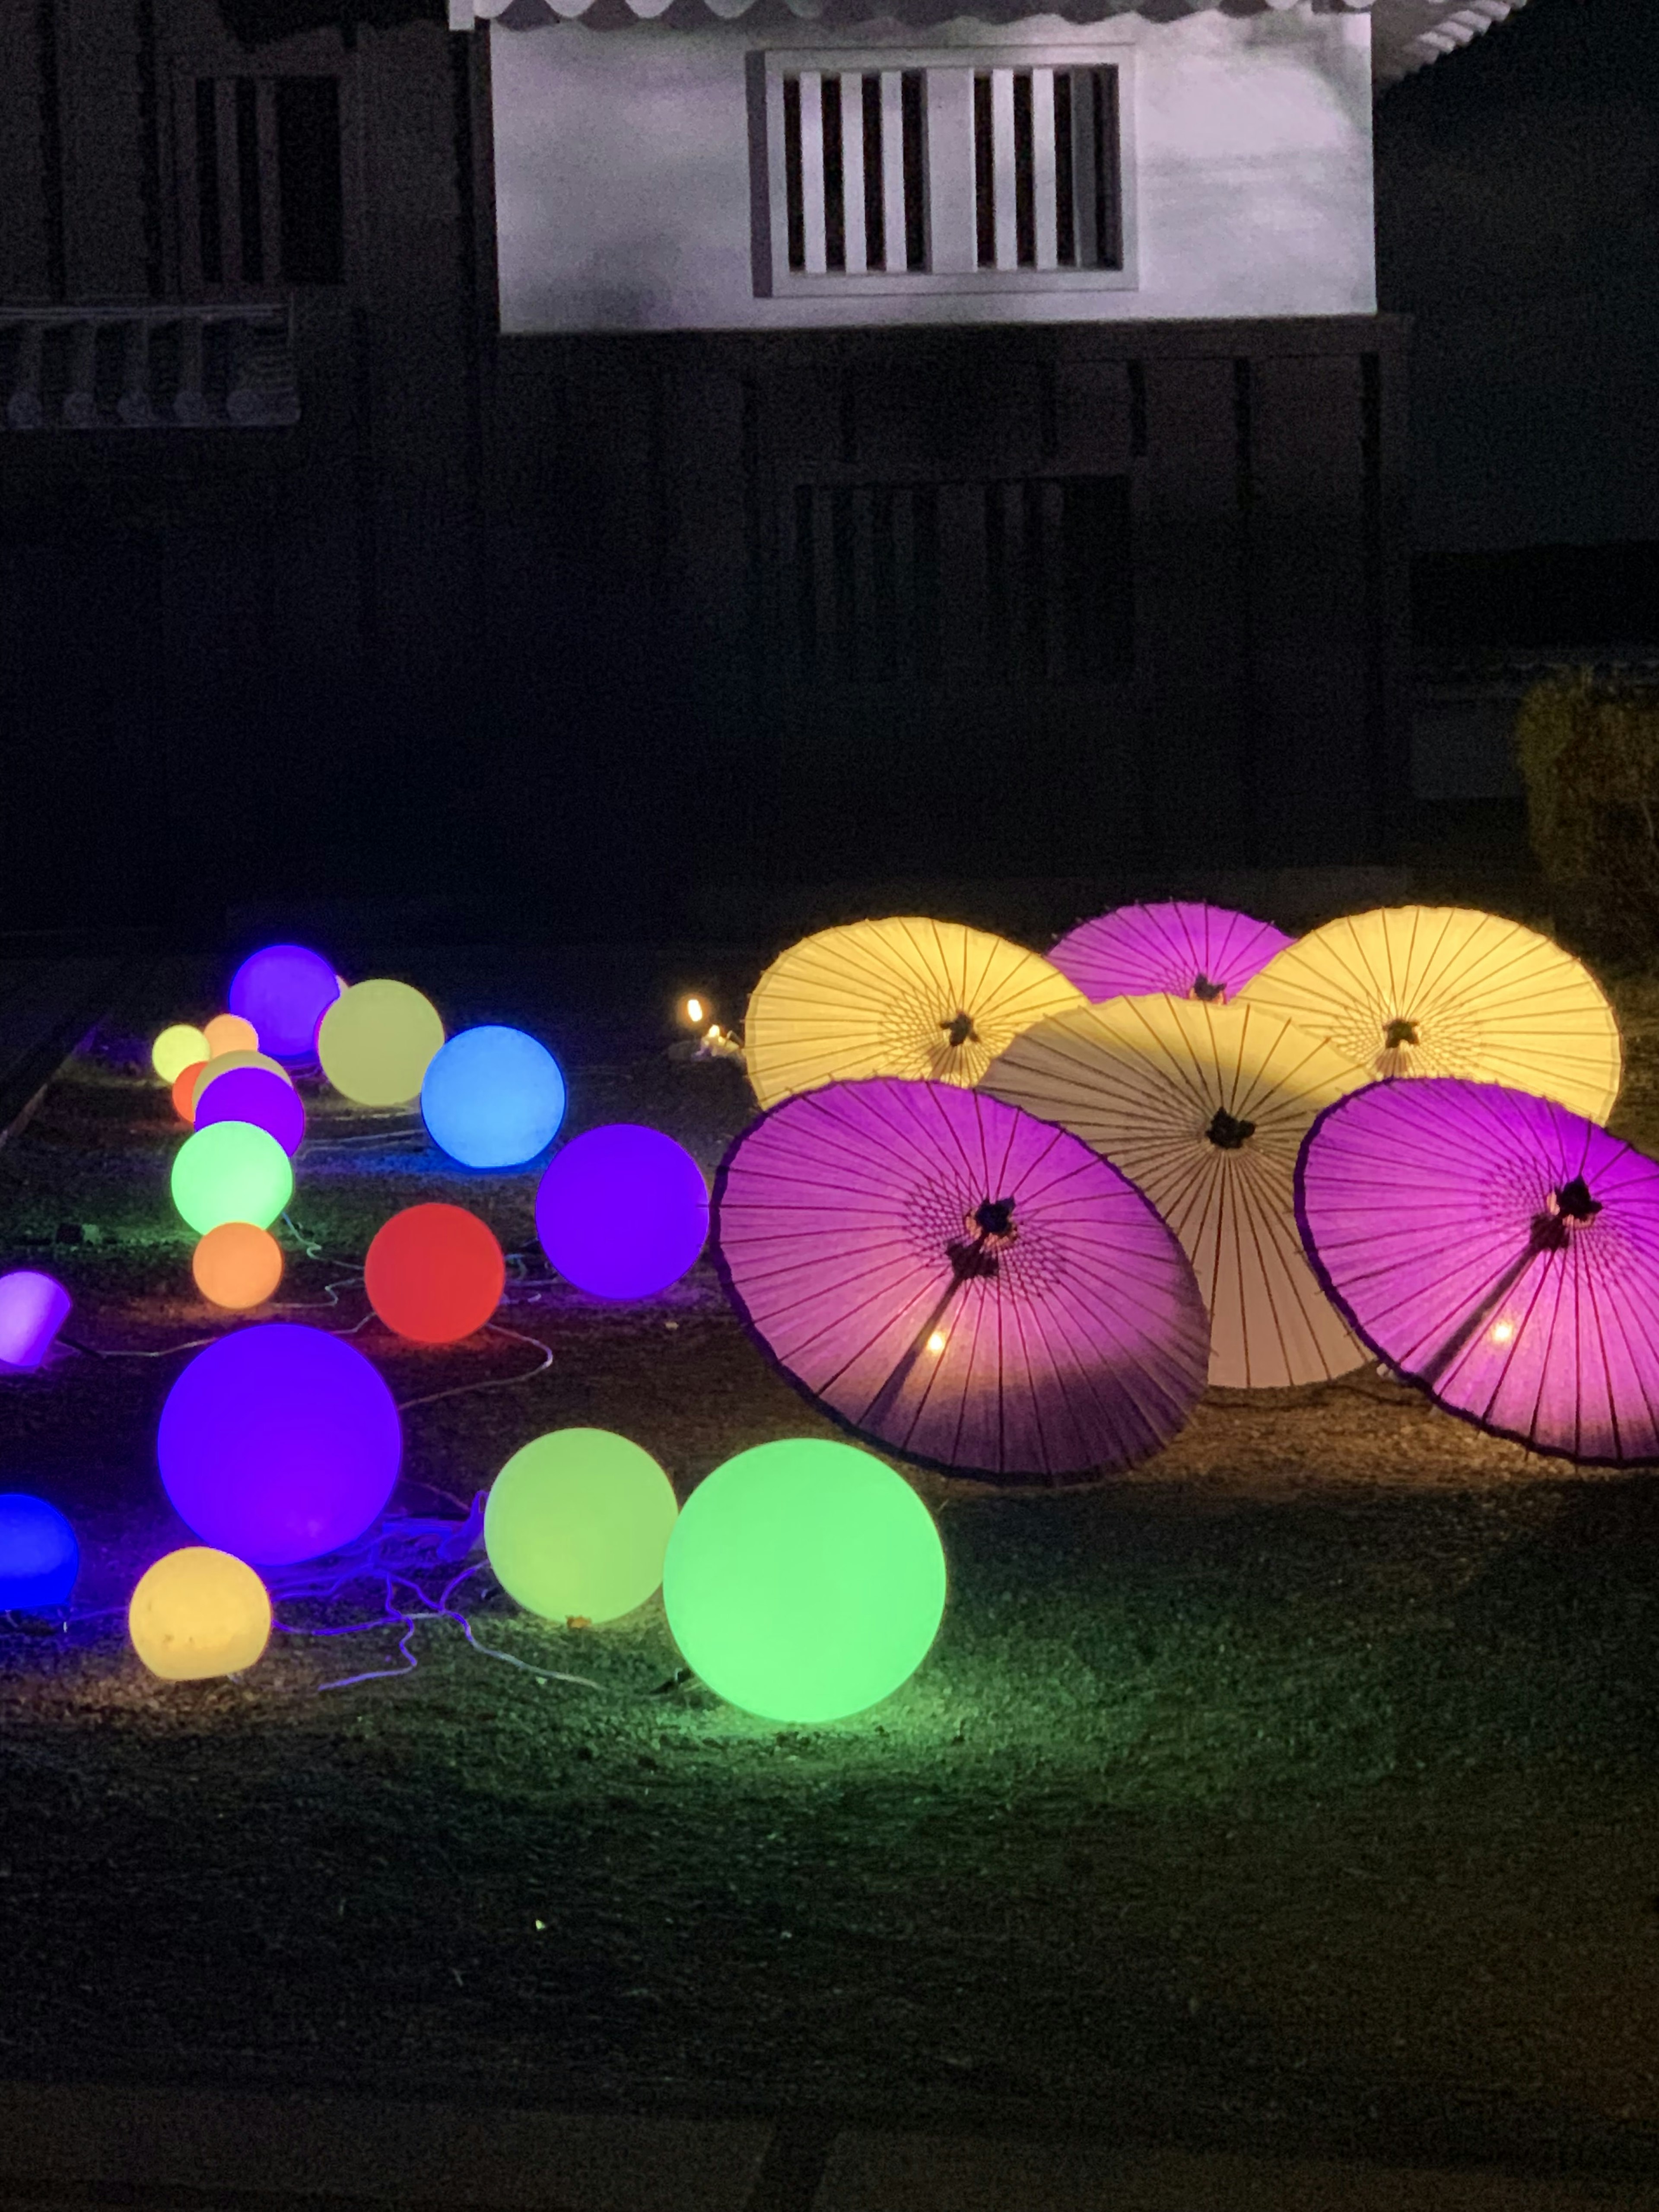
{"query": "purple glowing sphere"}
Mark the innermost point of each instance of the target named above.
(622, 1210)
(279, 1442)
(33, 1307)
(284, 991)
(255, 1095)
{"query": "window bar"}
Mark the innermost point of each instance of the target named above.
(250, 210)
(834, 173)
(1006, 188)
(795, 213)
(1109, 199)
(224, 108)
(1025, 222)
(812, 170)
(270, 196)
(855, 229)
(209, 248)
(1065, 187)
(1044, 242)
(875, 196)
(1083, 149)
(985, 227)
(912, 86)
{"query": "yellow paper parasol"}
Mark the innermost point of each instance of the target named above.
(1444, 990)
(930, 1000)
(1205, 1106)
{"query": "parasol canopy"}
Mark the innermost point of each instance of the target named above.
(1444, 990)
(1183, 946)
(929, 999)
(1498, 1250)
(1205, 1106)
(959, 1282)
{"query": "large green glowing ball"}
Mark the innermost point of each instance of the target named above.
(577, 1524)
(804, 1581)
(231, 1172)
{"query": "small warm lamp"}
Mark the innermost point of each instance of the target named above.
(198, 1612)
(174, 1049)
(33, 1307)
(184, 1090)
(696, 1008)
(622, 1211)
(269, 1101)
(376, 1040)
(493, 1098)
(39, 1558)
(284, 991)
(435, 1273)
(237, 1266)
(577, 1523)
(803, 1580)
(231, 1172)
(228, 1063)
(279, 1442)
(229, 1033)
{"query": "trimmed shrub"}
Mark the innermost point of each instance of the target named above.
(1588, 753)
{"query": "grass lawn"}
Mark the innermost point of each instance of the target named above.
(1298, 1791)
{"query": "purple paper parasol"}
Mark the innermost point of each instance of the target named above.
(960, 1282)
(1500, 1251)
(1182, 946)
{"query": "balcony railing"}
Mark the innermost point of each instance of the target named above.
(148, 368)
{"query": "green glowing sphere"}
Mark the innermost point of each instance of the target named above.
(804, 1581)
(231, 1172)
(577, 1524)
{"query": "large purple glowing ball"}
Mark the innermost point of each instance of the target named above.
(279, 1443)
(255, 1095)
(622, 1210)
(33, 1307)
(284, 991)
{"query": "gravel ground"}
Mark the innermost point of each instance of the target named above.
(1298, 1792)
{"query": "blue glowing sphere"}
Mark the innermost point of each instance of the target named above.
(622, 1210)
(493, 1098)
(284, 991)
(279, 1442)
(39, 1558)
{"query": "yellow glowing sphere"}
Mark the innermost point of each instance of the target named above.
(229, 1033)
(198, 1612)
(376, 1040)
(223, 1064)
(175, 1049)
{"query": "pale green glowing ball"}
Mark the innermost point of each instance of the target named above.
(231, 1172)
(577, 1524)
(376, 1040)
(804, 1581)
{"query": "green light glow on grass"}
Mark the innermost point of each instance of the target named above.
(577, 1523)
(805, 1581)
(231, 1172)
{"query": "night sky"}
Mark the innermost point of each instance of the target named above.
(1518, 222)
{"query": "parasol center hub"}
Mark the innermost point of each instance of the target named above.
(1573, 1201)
(1205, 989)
(1398, 1033)
(1227, 1133)
(959, 1030)
(995, 1218)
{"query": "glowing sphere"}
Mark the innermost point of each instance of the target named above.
(198, 1612)
(184, 1090)
(284, 991)
(279, 1442)
(804, 1581)
(622, 1211)
(376, 1040)
(229, 1033)
(577, 1524)
(493, 1098)
(435, 1273)
(174, 1049)
(231, 1172)
(237, 1266)
(33, 1307)
(254, 1094)
(39, 1558)
(229, 1063)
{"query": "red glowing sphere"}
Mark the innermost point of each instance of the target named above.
(435, 1273)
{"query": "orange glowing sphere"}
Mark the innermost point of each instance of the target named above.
(237, 1266)
(184, 1090)
(229, 1033)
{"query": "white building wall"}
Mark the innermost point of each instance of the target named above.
(623, 185)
